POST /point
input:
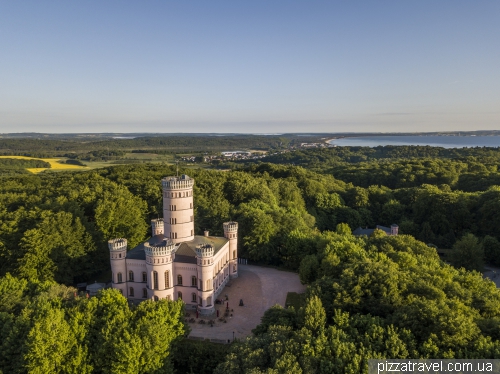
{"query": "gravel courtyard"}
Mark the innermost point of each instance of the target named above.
(260, 288)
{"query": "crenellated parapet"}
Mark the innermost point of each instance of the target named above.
(166, 248)
(157, 226)
(119, 244)
(230, 226)
(177, 183)
(204, 250)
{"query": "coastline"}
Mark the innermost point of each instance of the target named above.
(430, 140)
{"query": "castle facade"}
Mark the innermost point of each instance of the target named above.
(175, 263)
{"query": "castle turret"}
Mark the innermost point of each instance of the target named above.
(159, 259)
(157, 227)
(205, 262)
(178, 213)
(231, 233)
(117, 254)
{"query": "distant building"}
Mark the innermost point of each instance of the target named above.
(93, 288)
(393, 230)
(175, 263)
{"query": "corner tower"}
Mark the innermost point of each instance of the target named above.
(231, 233)
(159, 260)
(178, 213)
(205, 262)
(117, 254)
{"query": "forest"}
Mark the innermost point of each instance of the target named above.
(368, 297)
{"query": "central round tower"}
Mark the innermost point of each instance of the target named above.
(178, 212)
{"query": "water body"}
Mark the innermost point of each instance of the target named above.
(434, 141)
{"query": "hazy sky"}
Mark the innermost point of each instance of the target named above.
(249, 66)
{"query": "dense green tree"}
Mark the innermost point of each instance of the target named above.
(468, 253)
(491, 248)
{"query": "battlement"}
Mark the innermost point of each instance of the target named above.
(204, 250)
(177, 183)
(157, 222)
(117, 244)
(165, 248)
(230, 226)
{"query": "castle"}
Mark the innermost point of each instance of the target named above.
(175, 263)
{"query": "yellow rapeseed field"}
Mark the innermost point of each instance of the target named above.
(54, 164)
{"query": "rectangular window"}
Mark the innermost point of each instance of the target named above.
(155, 280)
(167, 279)
(144, 277)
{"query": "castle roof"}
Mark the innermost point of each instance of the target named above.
(185, 253)
(368, 232)
(189, 248)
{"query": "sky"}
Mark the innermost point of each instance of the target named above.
(249, 66)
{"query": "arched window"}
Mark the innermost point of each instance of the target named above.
(144, 293)
(209, 300)
(179, 295)
(131, 292)
(131, 276)
(144, 276)
(155, 298)
(193, 281)
(119, 276)
(167, 279)
(193, 297)
(155, 280)
(179, 280)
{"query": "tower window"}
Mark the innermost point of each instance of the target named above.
(131, 276)
(167, 279)
(155, 280)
